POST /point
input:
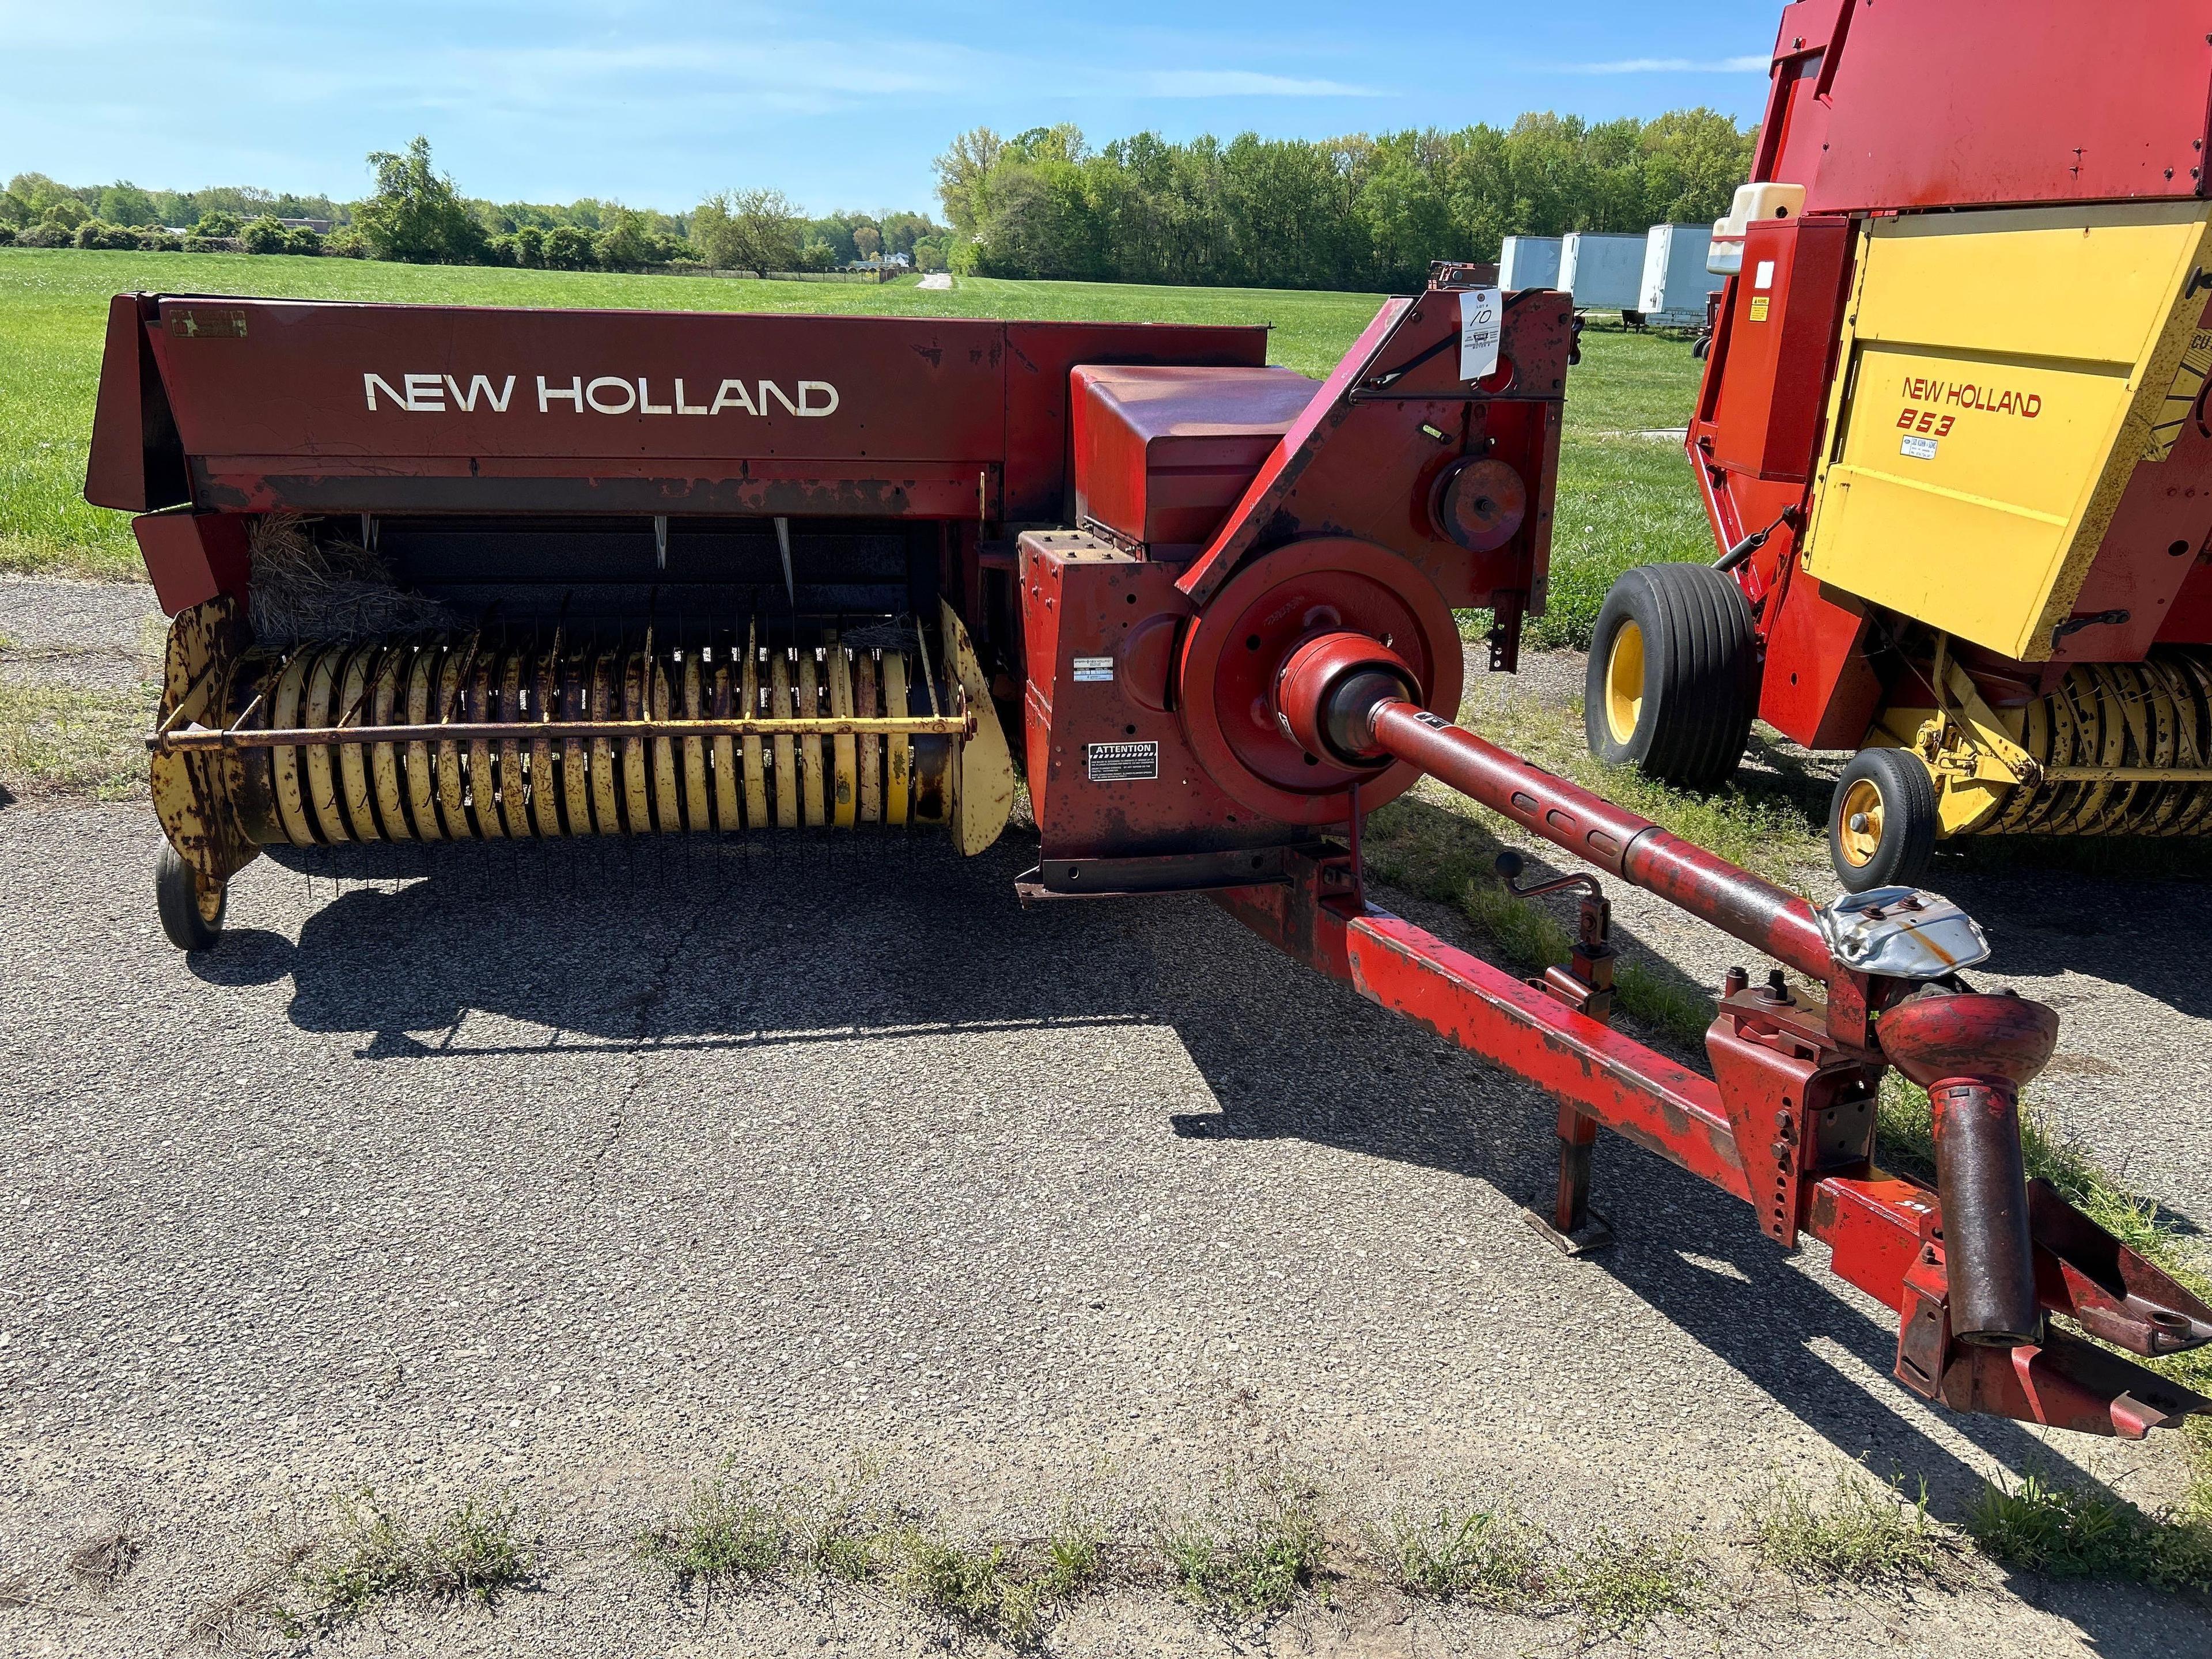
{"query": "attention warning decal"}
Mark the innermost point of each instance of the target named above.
(1123, 763)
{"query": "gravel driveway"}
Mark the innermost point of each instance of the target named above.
(579, 1171)
(106, 635)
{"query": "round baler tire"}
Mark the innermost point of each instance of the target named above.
(176, 902)
(1899, 843)
(1682, 634)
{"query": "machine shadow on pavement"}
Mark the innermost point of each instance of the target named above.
(2143, 933)
(1682, 1246)
(711, 945)
(803, 940)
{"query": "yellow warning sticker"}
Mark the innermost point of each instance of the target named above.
(2182, 398)
(1758, 309)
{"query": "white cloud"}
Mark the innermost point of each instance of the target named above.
(1677, 66)
(744, 82)
(1243, 83)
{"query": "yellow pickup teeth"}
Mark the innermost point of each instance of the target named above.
(2154, 715)
(488, 788)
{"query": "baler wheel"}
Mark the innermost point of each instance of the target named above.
(1673, 678)
(191, 909)
(1882, 821)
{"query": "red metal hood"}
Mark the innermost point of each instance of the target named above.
(338, 408)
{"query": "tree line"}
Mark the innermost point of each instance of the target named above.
(1360, 212)
(419, 214)
(1363, 213)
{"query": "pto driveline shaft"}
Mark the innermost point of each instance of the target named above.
(1617, 840)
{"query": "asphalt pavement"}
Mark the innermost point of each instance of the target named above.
(581, 1171)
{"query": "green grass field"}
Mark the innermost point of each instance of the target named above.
(1623, 499)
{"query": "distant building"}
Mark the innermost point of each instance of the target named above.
(320, 226)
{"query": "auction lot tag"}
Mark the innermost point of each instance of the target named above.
(1123, 763)
(1481, 319)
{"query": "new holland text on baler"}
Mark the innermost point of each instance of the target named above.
(1952, 437)
(654, 573)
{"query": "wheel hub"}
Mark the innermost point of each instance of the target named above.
(1624, 683)
(1861, 816)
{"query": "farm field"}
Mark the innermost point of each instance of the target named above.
(1623, 499)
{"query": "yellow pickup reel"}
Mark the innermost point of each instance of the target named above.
(466, 736)
(2116, 749)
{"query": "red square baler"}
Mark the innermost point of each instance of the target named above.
(441, 573)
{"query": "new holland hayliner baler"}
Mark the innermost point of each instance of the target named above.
(1953, 436)
(534, 575)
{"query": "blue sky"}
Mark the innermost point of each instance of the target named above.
(840, 106)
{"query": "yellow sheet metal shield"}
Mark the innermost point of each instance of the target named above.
(2004, 373)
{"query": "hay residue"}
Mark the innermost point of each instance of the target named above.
(896, 634)
(303, 589)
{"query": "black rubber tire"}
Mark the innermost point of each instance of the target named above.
(1699, 681)
(176, 900)
(1907, 842)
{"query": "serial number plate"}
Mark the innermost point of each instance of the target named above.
(1123, 763)
(1094, 668)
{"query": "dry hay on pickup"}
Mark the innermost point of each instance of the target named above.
(304, 589)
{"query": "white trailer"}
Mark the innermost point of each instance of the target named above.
(1528, 261)
(1675, 280)
(1603, 272)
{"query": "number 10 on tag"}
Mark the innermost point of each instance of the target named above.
(1481, 317)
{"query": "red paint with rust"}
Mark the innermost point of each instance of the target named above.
(1885, 1234)
(1943, 1037)
(1873, 1226)
(1797, 1107)
(190, 557)
(1177, 674)
(1634, 1090)
(1366, 455)
(135, 462)
(1973, 1054)
(1162, 453)
(370, 408)
(2061, 1380)
(2083, 1271)
(1615, 839)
